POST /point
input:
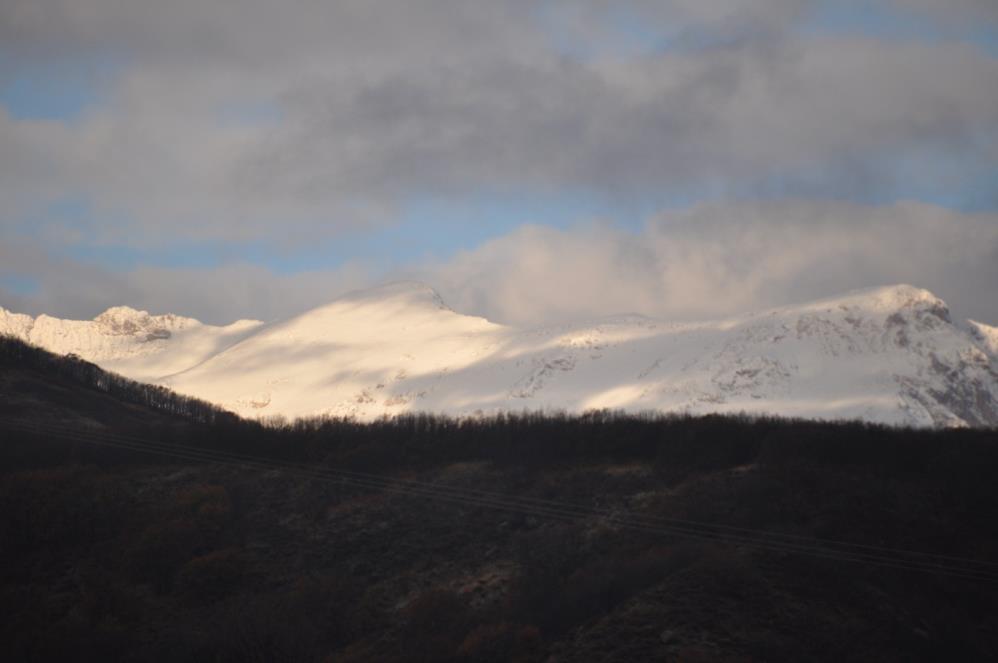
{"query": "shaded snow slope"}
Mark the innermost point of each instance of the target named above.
(888, 354)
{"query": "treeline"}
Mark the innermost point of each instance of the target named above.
(15, 353)
(530, 439)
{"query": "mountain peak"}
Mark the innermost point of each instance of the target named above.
(127, 321)
(407, 292)
(903, 295)
(887, 354)
(121, 313)
(889, 299)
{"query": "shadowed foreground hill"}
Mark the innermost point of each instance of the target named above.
(138, 525)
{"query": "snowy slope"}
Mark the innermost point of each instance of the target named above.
(889, 354)
(141, 346)
(986, 335)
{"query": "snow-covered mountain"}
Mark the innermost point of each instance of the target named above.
(133, 343)
(889, 354)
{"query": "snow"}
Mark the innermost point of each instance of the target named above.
(134, 343)
(987, 335)
(887, 354)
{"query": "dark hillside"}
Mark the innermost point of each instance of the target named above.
(136, 524)
(20, 359)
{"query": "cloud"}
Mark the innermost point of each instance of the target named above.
(706, 261)
(958, 12)
(217, 295)
(834, 113)
(716, 260)
(375, 103)
(283, 125)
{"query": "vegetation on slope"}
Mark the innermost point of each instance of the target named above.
(147, 550)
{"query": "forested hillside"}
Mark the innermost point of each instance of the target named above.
(139, 525)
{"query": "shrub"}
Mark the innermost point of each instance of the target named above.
(161, 549)
(500, 642)
(212, 576)
(435, 624)
(208, 504)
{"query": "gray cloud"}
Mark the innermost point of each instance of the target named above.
(282, 124)
(367, 105)
(716, 260)
(218, 295)
(839, 110)
(954, 12)
(710, 260)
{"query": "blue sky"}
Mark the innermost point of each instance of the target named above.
(57, 89)
(196, 137)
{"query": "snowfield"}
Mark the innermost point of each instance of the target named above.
(890, 355)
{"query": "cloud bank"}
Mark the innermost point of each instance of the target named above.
(289, 121)
(782, 134)
(708, 261)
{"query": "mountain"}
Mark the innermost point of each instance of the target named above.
(133, 343)
(138, 525)
(889, 354)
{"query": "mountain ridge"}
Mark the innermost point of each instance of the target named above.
(890, 354)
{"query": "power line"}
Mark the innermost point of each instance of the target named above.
(781, 538)
(575, 513)
(945, 565)
(531, 501)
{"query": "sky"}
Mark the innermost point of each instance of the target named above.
(535, 162)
